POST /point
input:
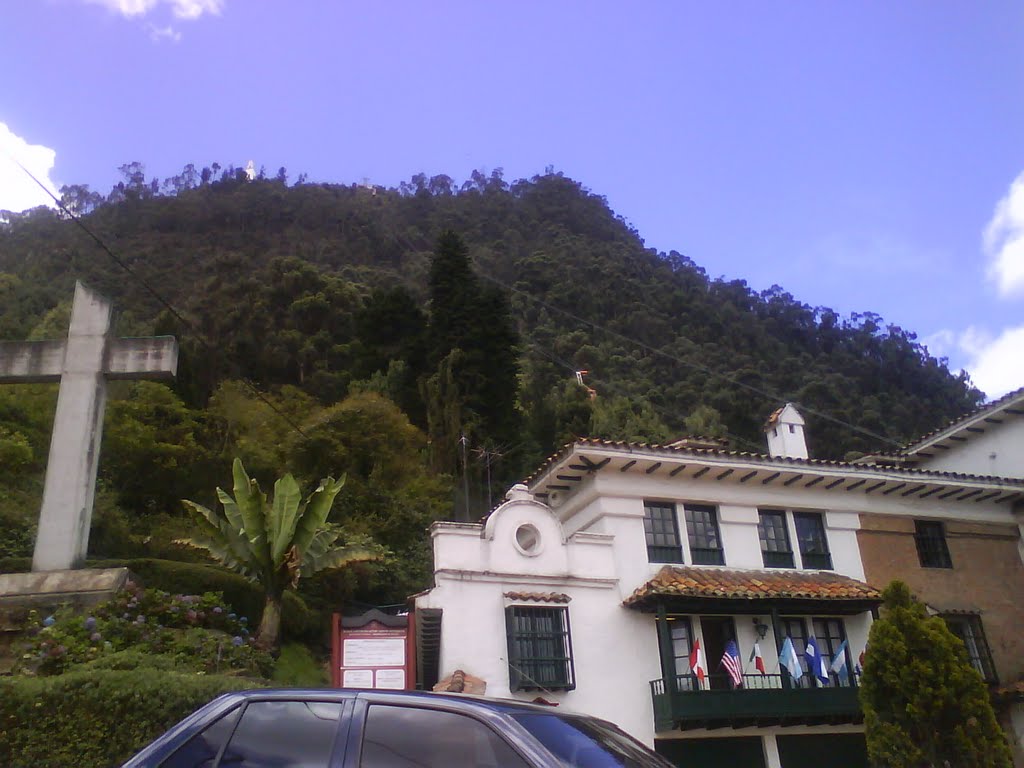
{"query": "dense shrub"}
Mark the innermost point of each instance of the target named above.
(16, 536)
(199, 631)
(298, 622)
(245, 597)
(297, 668)
(96, 718)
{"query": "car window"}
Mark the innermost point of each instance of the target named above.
(201, 750)
(409, 737)
(581, 742)
(284, 734)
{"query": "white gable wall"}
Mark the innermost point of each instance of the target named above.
(998, 452)
(615, 650)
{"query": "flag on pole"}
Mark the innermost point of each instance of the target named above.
(817, 665)
(731, 662)
(839, 663)
(757, 658)
(698, 666)
(789, 659)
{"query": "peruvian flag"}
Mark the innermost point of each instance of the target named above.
(698, 666)
(757, 658)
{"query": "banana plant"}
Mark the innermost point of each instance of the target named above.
(274, 543)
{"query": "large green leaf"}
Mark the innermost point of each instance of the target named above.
(252, 506)
(215, 528)
(284, 516)
(231, 511)
(314, 516)
(339, 557)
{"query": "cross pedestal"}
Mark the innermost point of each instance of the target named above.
(82, 364)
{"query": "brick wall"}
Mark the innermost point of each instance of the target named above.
(987, 578)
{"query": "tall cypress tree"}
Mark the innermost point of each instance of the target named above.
(475, 349)
(924, 704)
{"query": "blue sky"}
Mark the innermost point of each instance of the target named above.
(865, 156)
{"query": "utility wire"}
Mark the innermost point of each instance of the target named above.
(152, 291)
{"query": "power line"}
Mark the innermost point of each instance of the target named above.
(152, 291)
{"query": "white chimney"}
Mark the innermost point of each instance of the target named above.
(785, 431)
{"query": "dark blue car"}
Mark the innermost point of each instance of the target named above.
(370, 729)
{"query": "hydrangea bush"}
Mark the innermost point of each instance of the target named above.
(199, 631)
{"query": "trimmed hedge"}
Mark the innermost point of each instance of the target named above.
(97, 718)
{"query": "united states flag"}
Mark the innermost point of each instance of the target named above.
(731, 662)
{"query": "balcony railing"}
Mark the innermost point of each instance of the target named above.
(761, 700)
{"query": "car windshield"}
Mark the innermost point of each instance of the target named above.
(581, 742)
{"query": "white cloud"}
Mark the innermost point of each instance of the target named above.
(995, 363)
(1004, 241)
(17, 191)
(193, 9)
(156, 34)
(182, 9)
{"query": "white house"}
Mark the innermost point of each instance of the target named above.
(594, 583)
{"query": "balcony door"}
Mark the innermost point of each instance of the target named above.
(717, 631)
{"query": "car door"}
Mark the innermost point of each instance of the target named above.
(392, 734)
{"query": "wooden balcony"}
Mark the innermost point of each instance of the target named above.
(761, 700)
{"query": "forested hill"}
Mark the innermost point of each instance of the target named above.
(669, 350)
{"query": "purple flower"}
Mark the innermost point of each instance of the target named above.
(90, 623)
(49, 621)
(218, 609)
(95, 637)
(236, 641)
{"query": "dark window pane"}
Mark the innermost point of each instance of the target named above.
(284, 734)
(968, 629)
(810, 534)
(682, 645)
(662, 533)
(794, 629)
(407, 737)
(932, 551)
(776, 551)
(702, 533)
(539, 648)
(830, 634)
(201, 750)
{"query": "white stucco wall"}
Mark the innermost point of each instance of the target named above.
(999, 452)
(597, 557)
(615, 651)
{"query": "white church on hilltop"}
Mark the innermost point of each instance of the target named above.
(649, 585)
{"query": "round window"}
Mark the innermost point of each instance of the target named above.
(528, 539)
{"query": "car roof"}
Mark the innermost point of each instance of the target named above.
(507, 706)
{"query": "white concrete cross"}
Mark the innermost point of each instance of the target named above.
(82, 364)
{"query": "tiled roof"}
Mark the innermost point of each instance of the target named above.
(731, 584)
(774, 418)
(540, 597)
(780, 462)
(995, 405)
